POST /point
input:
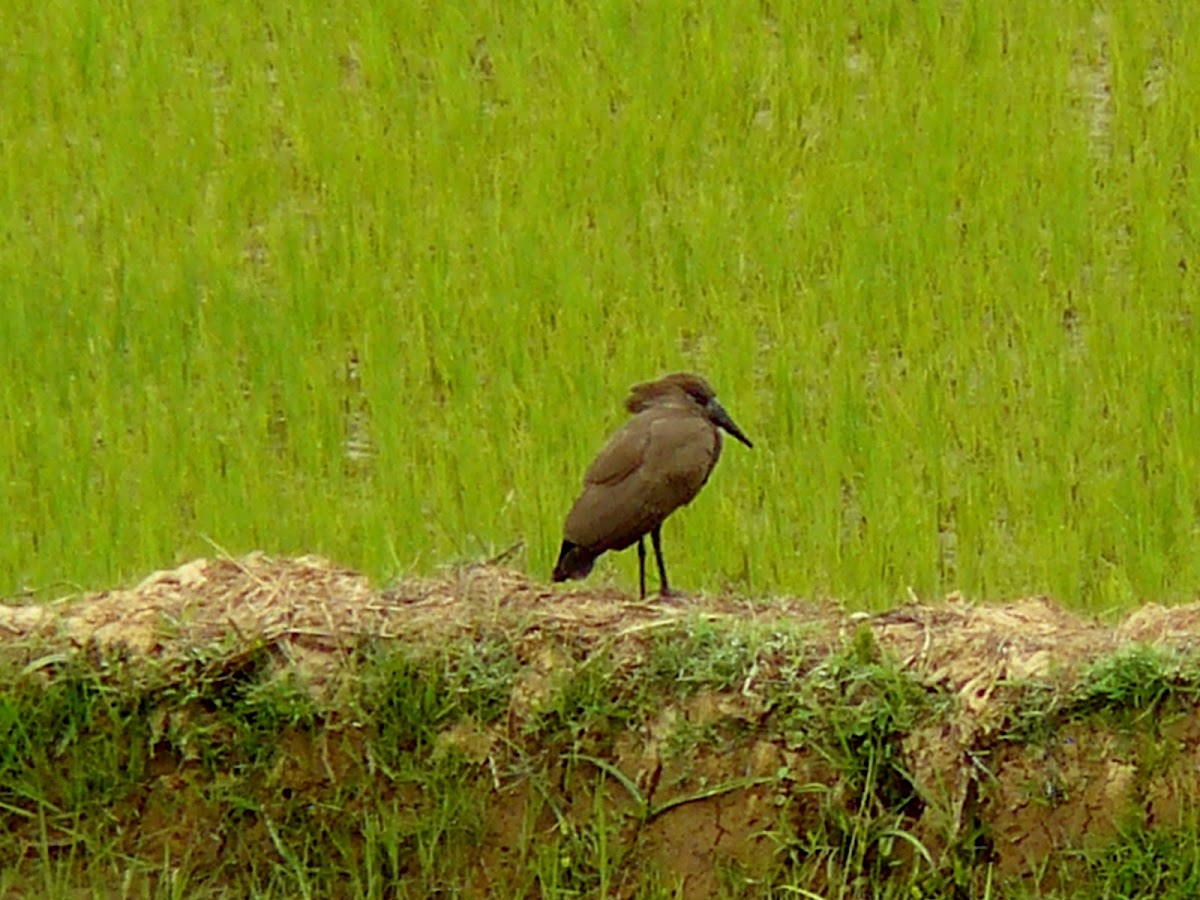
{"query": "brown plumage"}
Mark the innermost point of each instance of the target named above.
(652, 466)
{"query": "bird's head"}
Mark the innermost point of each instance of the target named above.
(684, 388)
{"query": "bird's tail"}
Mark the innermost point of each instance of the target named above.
(573, 562)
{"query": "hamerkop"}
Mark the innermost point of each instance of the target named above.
(652, 466)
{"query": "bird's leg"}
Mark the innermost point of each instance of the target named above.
(663, 587)
(642, 565)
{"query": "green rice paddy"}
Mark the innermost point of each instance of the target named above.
(371, 280)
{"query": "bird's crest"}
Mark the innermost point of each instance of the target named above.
(681, 384)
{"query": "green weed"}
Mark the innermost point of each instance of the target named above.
(853, 712)
(1134, 687)
(1135, 683)
(1147, 862)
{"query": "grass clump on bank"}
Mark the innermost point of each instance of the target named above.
(682, 755)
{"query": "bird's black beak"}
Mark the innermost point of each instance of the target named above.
(717, 413)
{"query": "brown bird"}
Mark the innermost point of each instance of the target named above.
(652, 466)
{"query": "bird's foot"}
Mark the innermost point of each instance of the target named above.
(675, 598)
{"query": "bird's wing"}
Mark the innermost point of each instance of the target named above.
(610, 517)
(652, 466)
(622, 454)
(610, 512)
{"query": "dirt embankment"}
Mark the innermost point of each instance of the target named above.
(1011, 769)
